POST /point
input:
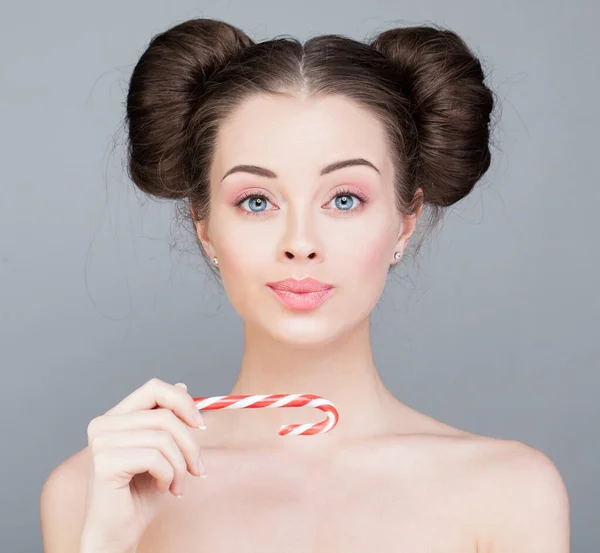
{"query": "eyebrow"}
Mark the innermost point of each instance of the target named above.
(263, 172)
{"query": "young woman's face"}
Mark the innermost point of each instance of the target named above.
(341, 228)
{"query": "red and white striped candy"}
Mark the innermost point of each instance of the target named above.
(277, 400)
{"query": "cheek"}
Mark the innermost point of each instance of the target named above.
(238, 248)
(242, 260)
(367, 252)
(370, 269)
(376, 253)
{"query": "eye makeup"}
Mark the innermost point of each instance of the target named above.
(344, 191)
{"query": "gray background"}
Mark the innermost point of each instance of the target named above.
(495, 329)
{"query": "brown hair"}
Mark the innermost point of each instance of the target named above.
(423, 84)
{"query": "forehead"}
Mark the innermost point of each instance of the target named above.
(302, 134)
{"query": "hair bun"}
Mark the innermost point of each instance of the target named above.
(451, 108)
(165, 81)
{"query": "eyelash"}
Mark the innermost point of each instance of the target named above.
(343, 192)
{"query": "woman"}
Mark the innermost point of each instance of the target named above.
(304, 170)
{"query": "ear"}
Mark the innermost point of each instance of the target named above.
(408, 227)
(203, 235)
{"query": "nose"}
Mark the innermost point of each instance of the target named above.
(301, 239)
(299, 248)
(292, 255)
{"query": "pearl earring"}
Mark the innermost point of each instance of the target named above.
(215, 261)
(397, 255)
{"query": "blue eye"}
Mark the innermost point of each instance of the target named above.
(259, 201)
(344, 201)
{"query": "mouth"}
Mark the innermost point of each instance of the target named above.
(302, 295)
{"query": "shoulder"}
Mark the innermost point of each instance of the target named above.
(72, 471)
(521, 498)
(62, 504)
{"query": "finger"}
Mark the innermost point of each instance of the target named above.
(121, 465)
(156, 393)
(154, 420)
(146, 439)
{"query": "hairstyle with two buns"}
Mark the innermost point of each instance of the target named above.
(422, 83)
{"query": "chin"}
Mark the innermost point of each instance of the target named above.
(304, 332)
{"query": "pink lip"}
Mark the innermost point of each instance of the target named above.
(299, 286)
(302, 294)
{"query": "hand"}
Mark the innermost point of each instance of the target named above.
(139, 453)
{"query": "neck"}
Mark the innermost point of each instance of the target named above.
(342, 372)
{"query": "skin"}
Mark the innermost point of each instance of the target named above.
(304, 232)
(387, 478)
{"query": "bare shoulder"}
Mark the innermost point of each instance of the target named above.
(62, 504)
(522, 501)
(72, 471)
(512, 493)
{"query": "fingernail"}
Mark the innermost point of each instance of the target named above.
(199, 420)
(181, 385)
(179, 496)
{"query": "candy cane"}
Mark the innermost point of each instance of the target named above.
(277, 400)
